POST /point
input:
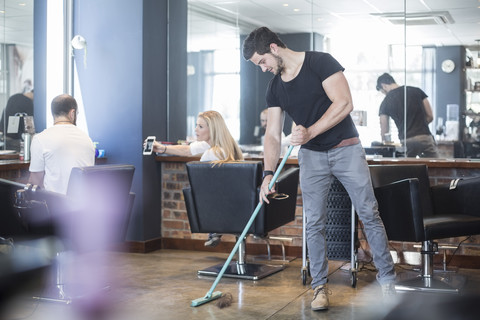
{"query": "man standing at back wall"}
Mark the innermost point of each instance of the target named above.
(58, 149)
(419, 141)
(311, 87)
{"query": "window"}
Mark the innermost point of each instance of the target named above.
(213, 71)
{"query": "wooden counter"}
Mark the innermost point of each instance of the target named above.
(17, 170)
(10, 156)
(176, 230)
(430, 162)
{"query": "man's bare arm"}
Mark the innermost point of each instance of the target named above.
(36, 178)
(272, 146)
(337, 89)
(428, 110)
(384, 125)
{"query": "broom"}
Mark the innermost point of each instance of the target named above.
(227, 298)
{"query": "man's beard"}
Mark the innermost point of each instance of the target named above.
(280, 65)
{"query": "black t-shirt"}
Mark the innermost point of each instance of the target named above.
(305, 100)
(393, 106)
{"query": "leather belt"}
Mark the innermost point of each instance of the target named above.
(347, 142)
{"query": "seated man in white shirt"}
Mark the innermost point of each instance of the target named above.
(58, 149)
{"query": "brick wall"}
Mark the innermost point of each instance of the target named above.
(174, 216)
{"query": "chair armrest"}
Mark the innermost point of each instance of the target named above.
(191, 212)
(462, 199)
(400, 209)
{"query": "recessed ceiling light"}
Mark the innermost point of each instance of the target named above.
(2, 11)
(22, 4)
(296, 10)
(285, 4)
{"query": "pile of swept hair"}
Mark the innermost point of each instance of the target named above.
(223, 144)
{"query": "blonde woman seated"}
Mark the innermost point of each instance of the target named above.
(214, 143)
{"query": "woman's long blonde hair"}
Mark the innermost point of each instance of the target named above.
(223, 144)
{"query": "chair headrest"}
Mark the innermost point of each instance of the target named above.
(102, 174)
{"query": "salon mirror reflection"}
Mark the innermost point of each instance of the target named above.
(16, 72)
(428, 44)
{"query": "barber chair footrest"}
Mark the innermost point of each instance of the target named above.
(271, 259)
(248, 271)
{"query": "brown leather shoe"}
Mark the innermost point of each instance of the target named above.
(320, 298)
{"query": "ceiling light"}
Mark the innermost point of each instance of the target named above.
(285, 4)
(296, 10)
(417, 18)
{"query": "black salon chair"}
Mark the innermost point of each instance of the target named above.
(104, 192)
(222, 198)
(102, 200)
(412, 211)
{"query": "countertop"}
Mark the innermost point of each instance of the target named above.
(430, 162)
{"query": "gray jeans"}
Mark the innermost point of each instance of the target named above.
(423, 146)
(348, 164)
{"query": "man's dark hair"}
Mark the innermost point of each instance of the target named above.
(62, 104)
(259, 41)
(385, 79)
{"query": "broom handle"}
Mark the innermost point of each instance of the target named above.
(252, 218)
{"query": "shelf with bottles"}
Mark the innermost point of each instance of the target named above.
(473, 79)
(473, 88)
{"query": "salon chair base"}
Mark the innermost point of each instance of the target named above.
(440, 282)
(66, 291)
(54, 295)
(60, 299)
(248, 271)
(60, 295)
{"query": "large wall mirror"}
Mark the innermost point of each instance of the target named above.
(16, 68)
(429, 44)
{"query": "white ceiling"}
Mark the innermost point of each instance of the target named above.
(347, 18)
(16, 22)
(357, 19)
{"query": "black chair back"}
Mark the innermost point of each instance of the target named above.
(403, 196)
(385, 174)
(103, 196)
(224, 196)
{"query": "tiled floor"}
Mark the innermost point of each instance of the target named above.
(162, 284)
